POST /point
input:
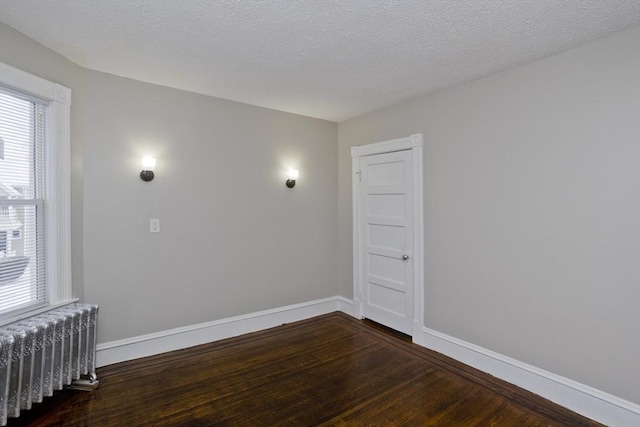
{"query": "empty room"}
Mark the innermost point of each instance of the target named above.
(320, 212)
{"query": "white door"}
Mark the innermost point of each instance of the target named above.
(386, 232)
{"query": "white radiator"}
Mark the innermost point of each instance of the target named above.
(44, 353)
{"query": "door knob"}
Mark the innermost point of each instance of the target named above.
(405, 257)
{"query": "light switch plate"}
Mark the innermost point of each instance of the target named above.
(154, 225)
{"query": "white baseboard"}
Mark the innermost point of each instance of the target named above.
(345, 305)
(585, 400)
(175, 339)
(580, 398)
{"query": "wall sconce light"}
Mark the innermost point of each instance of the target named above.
(148, 165)
(293, 175)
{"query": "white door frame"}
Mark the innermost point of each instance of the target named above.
(415, 144)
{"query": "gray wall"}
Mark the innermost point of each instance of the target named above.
(531, 204)
(233, 238)
(24, 53)
(532, 208)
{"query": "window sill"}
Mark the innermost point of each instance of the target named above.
(32, 313)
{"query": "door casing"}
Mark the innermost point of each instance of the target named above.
(415, 144)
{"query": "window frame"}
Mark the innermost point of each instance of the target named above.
(57, 205)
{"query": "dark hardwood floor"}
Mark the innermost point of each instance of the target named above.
(331, 370)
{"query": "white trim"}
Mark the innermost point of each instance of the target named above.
(345, 305)
(34, 85)
(358, 311)
(414, 143)
(418, 240)
(58, 178)
(583, 399)
(58, 206)
(202, 333)
(32, 313)
(389, 146)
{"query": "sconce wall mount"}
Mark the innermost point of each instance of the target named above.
(293, 175)
(146, 176)
(148, 165)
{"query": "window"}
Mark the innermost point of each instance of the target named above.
(34, 194)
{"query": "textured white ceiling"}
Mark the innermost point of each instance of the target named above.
(321, 58)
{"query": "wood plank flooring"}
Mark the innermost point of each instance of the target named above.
(331, 370)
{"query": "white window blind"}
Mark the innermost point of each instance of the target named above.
(23, 132)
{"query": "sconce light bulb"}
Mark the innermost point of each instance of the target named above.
(148, 163)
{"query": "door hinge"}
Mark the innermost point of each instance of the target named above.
(359, 173)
